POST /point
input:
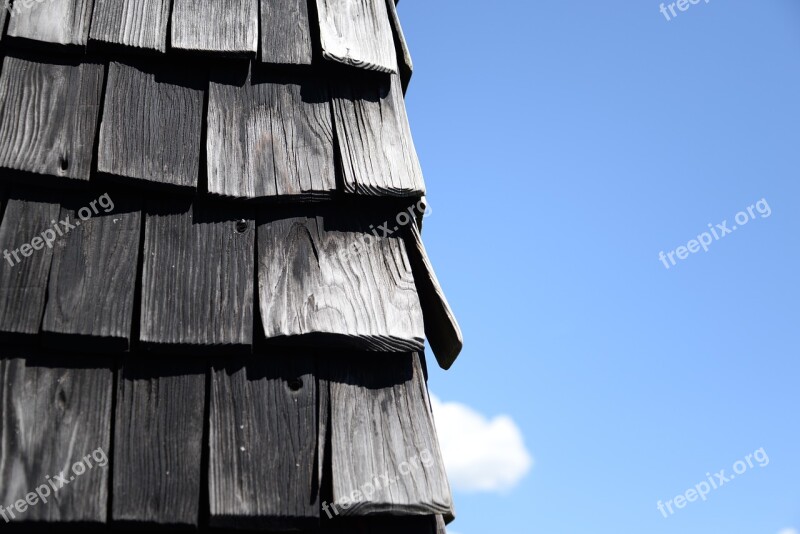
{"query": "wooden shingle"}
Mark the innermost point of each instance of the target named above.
(134, 23)
(197, 286)
(94, 272)
(270, 135)
(26, 260)
(263, 443)
(158, 441)
(221, 26)
(54, 413)
(48, 116)
(327, 280)
(404, 54)
(63, 22)
(383, 439)
(374, 138)
(357, 33)
(152, 125)
(285, 32)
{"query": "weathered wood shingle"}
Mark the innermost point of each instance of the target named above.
(403, 52)
(263, 443)
(26, 259)
(54, 413)
(374, 138)
(285, 32)
(197, 287)
(94, 272)
(270, 135)
(357, 33)
(327, 280)
(135, 23)
(63, 22)
(158, 441)
(48, 116)
(224, 26)
(152, 124)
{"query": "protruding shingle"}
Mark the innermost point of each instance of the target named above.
(48, 116)
(219, 26)
(63, 22)
(285, 32)
(403, 52)
(135, 23)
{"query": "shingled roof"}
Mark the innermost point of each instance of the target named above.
(214, 294)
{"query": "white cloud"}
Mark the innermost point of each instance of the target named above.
(789, 531)
(480, 454)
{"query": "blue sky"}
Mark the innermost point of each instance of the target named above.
(566, 144)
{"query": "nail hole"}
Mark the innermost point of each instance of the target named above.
(241, 226)
(64, 163)
(295, 384)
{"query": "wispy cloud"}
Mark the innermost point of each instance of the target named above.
(789, 531)
(480, 454)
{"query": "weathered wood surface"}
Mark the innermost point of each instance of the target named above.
(158, 441)
(26, 260)
(197, 287)
(63, 22)
(285, 32)
(225, 26)
(357, 33)
(3, 16)
(270, 135)
(382, 436)
(152, 124)
(404, 61)
(135, 23)
(374, 137)
(263, 444)
(48, 116)
(329, 280)
(54, 414)
(441, 327)
(382, 525)
(94, 271)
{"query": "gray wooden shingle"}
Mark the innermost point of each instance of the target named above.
(285, 32)
(152, 125)
(404, 54)
(227, 26)
(326, 279)
(48, 115)
(384, 449)
(64, 22)
(262, 466)
(26, 260)
(441, 327)
(158, 441)
(197, 287)
(54, 414)
(270, 135)
(357, 33)
(135, 23)
(93, 274)
(374, 138)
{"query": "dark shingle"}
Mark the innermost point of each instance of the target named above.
(134, 23)
(224, 26)
(285, 32)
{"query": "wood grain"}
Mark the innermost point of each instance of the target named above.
(135, 23)
(52, 415)
(152, 124)
(285, 32)
(357, 33)
(441, 327)
(94, 272)
(225, 26)
(48, 116)
(270, 135)
(197, 287)
(374, 138)
(23, 284)
(403, 52)
(262, 468)
(382, 435)
(158, 441)
(63, 22)
(326, 280)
